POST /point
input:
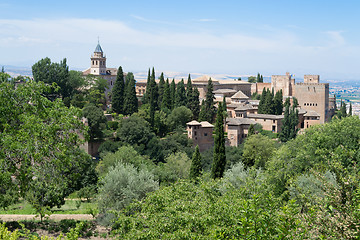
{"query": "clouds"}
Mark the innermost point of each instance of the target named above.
(173, 47)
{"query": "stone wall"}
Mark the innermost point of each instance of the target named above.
(314, 97)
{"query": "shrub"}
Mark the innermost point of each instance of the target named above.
(123, 184)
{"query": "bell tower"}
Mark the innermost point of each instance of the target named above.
(98, 61)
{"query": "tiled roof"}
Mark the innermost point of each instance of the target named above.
(239, 121)
(265, 116)
(98, 48)
(312, 114)
(239, 95)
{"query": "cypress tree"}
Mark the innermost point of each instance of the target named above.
(258, 79)
(290, 121)
(202, 113)
(278, 103)
(224, 107)
(261, 79)
(180, 95)
(189, 90)
(154, 95)
(118, 92)
(343, 109)
(146, 96)
(269, 102)
(208, 115)
(195, 108)
(294, 118)
(350, 110)
(196, 168)
(219, 162)
(166, 100)
(172, 93)
(286, 128)
(130, 101)
(161, 88)
(261, 109)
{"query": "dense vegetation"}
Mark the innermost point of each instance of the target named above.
(149, 183)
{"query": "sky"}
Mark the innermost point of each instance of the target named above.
(213, 37)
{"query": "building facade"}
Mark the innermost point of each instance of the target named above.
(98, 68)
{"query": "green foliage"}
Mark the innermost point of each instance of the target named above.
(258, 150)
(123, 184)
(172, 93)
(252, 79)
(124, 155)
(270, 104)
(166, 98)
(8, 189)
(219, 162)
(39, 141)
(180, 94)
(177, 166)
(96, 121)
(196, 168)
(134, 131)
(130, 99)
(207, 111)
(188, 210)
(290, 121)
(179, 117)
(331, 146)
(118, 92)
(49, 73)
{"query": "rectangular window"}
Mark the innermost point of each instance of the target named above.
(205, 134)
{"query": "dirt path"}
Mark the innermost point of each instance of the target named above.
(56, 217)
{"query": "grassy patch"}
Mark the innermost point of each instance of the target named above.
(70, 207)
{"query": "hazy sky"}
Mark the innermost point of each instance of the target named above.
(230, 37)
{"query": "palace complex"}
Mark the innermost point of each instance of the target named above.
(315, 104)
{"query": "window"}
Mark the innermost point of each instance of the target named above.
(273, 128)
(205, 134)
(273, 121)
(195, 133)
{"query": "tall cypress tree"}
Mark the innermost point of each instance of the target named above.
(224, 106)
(154, 95)
(118, 92)
(166, 100)
(294, 119)
(219, 162)
(195, 106)
(202, 113)
(130, 101)
(290, 121)
(278, 103)
(173, 93)
(196, 167)
(261, 108)
(146, 95)
(261, 79)
(208, 115)
(161, 88)
(180, 95)
(189, 90)
(350, 110)
(269, 102)
(258, 79)
(343, 109)
(284, 135)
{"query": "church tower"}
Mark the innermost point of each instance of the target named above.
(98, 62)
